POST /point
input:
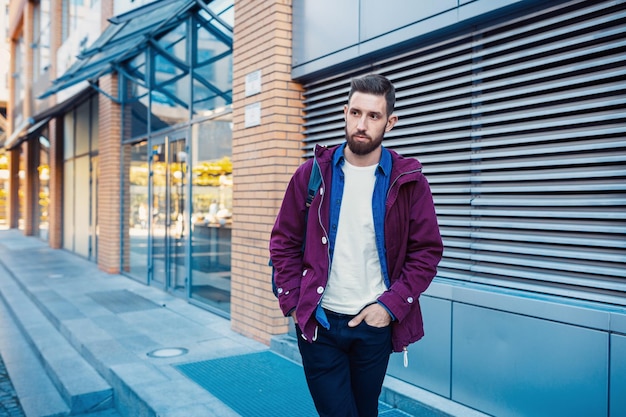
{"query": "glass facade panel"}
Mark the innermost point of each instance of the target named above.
(4, 188)
(44, 185)
(135, 110)
(175, 43)
(95, 123)
(170, 102)
(82, 128)
(211, 218)
(68, 205)
(68, 135)
(139, 210)
(41, 38)
(82, 207)
(21, 192)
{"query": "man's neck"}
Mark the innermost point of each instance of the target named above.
(366, 160)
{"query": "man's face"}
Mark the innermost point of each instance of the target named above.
(366, 122)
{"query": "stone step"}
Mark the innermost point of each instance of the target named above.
(80, 386)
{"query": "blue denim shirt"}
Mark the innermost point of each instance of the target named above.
(381, 186)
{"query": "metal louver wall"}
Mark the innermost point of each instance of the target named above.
(521, 127)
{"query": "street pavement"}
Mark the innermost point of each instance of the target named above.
(78, 341)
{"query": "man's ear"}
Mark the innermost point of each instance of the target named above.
(345, 111)
(391, 122)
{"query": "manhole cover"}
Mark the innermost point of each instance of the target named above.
(168, 352)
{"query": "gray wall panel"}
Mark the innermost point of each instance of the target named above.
(379, 18)
(429, 359)
(329, 33)
(322, 27)
(618, 375)
(511, 365)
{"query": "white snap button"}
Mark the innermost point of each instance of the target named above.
(321, 191)
(320, 290)
(410, 300)
(280, 290)
(324, 240)
(304, 272)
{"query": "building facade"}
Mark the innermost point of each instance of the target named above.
(163, 151)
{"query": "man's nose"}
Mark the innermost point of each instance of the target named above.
(362, 123)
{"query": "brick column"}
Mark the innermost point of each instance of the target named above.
(264, 157)
(109, 204)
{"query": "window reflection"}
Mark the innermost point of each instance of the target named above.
(138, 211)
(212, 202)
(44, 186)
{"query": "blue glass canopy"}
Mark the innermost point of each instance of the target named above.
(168, 29)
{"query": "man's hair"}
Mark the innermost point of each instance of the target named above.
(377, 85)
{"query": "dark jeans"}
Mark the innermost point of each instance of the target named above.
(345, 367)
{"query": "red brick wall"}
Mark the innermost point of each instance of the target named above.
(109, 204)
(264, 157)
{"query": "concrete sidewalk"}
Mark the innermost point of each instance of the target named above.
(78, 341)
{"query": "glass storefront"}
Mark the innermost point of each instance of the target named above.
(80, 180)
(177, 147)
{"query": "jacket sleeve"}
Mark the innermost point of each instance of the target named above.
(423, 252)
(287, 239)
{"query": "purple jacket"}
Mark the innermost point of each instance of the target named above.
(412, 241)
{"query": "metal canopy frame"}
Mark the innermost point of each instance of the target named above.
(138, 32)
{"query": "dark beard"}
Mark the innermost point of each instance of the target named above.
(363, 148)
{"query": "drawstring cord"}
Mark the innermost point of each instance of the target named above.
(405, 351)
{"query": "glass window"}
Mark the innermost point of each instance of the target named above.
(95, 121)
(137, 210)
(174, 43)
(68, 205)
(44, 185)
(41, 38)
(212, 203)
(4, 187)
(135, 110)
(68, 135)
(82, 128)
(82, 206)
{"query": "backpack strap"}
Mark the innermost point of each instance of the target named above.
(315, 180)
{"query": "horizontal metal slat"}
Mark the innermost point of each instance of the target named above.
(562, 135)
(540, 19)
(554, 161)
(545, 110)
(504, 67)
(552, 148)
(536, 262)
(584, 253)
(504, 224)
(543, 275)
(539, 200)
(557, 174)
(553, 213)
(551, 238)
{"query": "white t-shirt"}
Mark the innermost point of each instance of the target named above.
(356, 278)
